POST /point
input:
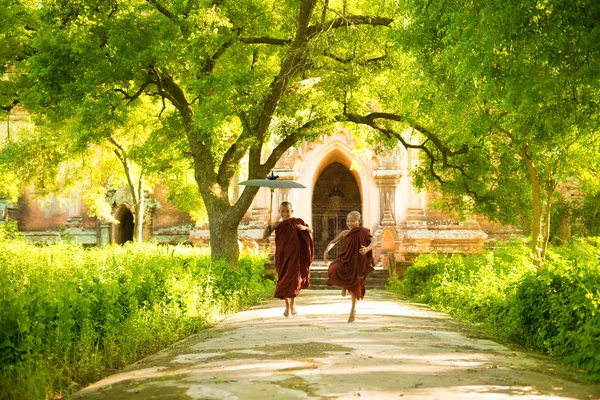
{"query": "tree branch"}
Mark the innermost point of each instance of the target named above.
(349, 20)
(210, 63)
(288, 142)
(15, 102)
(137, 94)
(121, 155)
(168, 88)
(256, 169)
(266, 40)
(349, 60)
(290, 65)
(232, 158)
(161, 9)
(370, 118)
(445, 152)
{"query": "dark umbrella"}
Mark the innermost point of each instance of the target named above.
(272, 183)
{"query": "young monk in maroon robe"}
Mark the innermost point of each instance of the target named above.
(294, 252)
(354, 263)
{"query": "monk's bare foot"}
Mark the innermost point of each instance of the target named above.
(344, 292)
(294, 312)
(352, 317)
(286, 313)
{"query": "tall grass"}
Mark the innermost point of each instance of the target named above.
(555, 310)
(69, 315)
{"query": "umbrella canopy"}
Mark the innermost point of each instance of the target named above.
(271, 183)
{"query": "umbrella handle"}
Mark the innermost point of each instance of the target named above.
(271, 206)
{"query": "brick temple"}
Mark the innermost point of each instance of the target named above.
(338, 179)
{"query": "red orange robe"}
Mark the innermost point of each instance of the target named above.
(294, 253)
(350, 268)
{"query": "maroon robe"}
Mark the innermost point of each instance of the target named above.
(350, 268)
(294, 252)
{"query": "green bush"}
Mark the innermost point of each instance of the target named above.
(558, 308)
(555, 310)
(9, 231)
(69, 316)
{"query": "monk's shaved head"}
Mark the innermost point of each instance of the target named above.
(355, 214)
(285, 203)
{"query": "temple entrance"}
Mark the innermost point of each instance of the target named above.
(123, 231)
(336, 194)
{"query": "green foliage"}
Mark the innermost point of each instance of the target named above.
(18, 27)
(69, 316)
(211, 86)
(587, 217)
(583, 215)
(509, 89)
(558, 309)
(9, 231)
(555, 310)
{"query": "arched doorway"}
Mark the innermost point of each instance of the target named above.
(336, 193)
(123, 231)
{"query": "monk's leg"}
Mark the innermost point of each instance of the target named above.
(292, 306)
(343, 292)
(353, 310)
(286, 313)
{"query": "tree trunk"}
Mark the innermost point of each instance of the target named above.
(537, 215)
(137, 194)
(546, 234)
(224, 238)
(565, 226)
(214, 177)
(536, 227)
(139, 207)
(138, 227)
(223, 218)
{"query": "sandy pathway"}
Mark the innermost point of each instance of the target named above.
(394, 350)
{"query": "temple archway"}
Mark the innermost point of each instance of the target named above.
(335, 194)
(123, 231)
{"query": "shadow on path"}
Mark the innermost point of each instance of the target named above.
(395, 349)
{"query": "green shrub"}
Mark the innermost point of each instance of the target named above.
(9, 231)
(558, 308)
(554, 310)
(69, 316)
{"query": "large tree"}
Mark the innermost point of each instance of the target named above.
(229, 79)
(504, 97)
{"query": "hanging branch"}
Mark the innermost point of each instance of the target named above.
(438, 144)
(15, 102)
(266, 40)
(351, 20)
(351, 59)
(137, 94)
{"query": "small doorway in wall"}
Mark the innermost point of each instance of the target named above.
(123, 231)
(336, 193)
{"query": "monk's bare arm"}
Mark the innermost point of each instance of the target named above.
(305, 228)
(365, 249)
(333, 242)
(270, 228)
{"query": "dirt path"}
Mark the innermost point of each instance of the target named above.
(394, 350)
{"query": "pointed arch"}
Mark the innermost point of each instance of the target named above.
(335, 193)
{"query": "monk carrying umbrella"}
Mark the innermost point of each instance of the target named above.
(294, 252)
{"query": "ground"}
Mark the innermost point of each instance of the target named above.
(395, 349)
